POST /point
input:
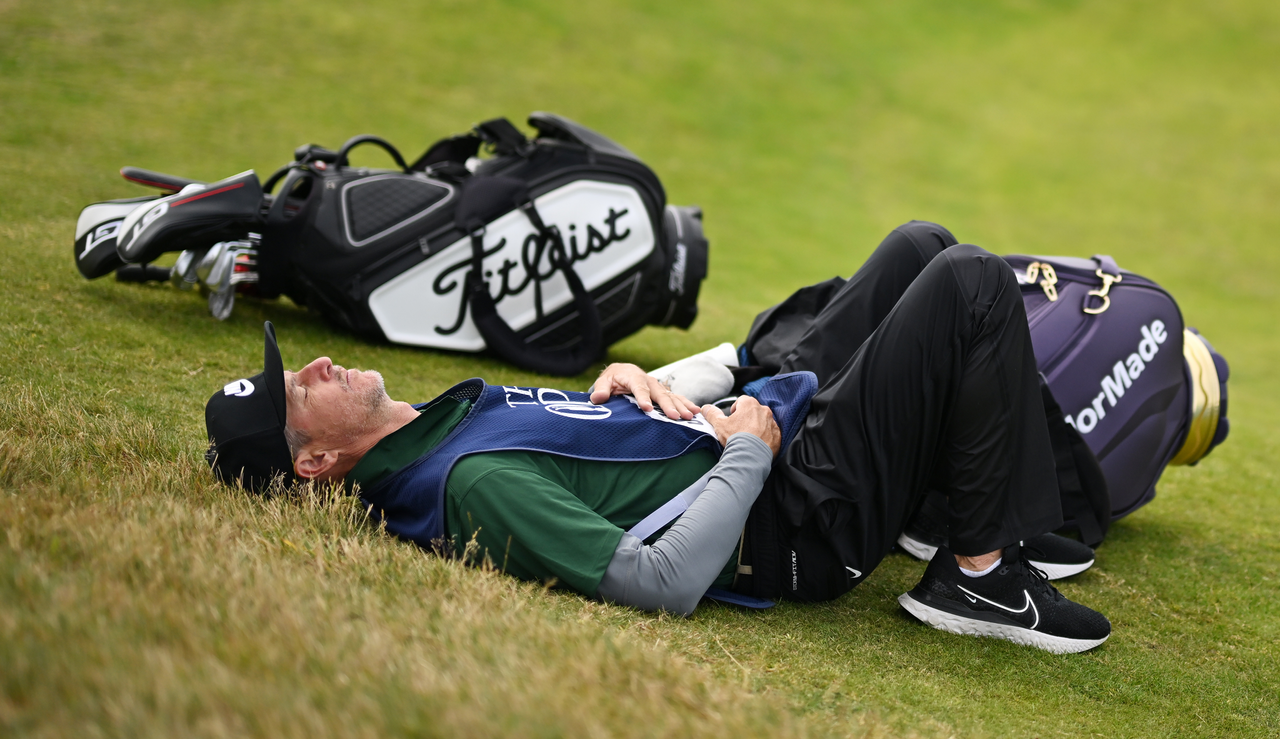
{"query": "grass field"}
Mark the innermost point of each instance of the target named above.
(138, 598)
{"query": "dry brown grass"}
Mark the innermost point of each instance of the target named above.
(142, 599)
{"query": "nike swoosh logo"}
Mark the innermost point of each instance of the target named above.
(855, 572)
(1027, 605)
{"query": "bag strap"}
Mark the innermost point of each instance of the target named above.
(498, 133)
(1082, 487)
(482, 199)
(452, 150)
(671, 510)
(504, 137)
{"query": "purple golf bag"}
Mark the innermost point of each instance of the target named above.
(1127, 390)
(1137, 386)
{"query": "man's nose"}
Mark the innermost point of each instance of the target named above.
(319, 370)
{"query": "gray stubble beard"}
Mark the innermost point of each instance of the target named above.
(376, 397)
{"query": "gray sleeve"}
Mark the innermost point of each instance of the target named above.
(677, 569)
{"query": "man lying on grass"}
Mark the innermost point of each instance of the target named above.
(924, 378)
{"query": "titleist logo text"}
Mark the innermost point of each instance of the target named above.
(535, 263)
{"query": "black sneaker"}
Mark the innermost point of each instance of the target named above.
(1056, 556)
(1015, 602)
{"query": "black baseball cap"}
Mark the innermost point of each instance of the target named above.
(245, 421)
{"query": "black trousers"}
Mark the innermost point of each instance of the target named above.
(927, 381)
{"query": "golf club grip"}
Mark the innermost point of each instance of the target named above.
(172, 183)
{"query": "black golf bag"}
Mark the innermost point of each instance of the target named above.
(544, 253)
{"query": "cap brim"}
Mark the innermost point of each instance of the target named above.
(273, 372)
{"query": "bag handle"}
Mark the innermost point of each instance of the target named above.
(1108, 265)
(355, 141)
(1109, 272)
(482, 199)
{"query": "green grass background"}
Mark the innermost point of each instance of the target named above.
(139, 599)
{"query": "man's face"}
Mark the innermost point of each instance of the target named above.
(331, 404)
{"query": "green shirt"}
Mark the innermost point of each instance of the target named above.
(407, 443)
(537, 516)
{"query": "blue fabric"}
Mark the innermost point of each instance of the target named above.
(788, 396)
(720, 595)
(754, 387)
(504, 418)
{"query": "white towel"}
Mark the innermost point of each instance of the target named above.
(703, 377)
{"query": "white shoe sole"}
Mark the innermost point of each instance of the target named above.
(1059, 571)
(970, 627)
(1054, 571)
(917, 549)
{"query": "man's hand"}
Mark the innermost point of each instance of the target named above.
(624, 379)
(747, 415)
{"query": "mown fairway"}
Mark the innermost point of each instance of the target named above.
(138, 598)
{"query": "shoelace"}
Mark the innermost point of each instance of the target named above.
(1039, 577)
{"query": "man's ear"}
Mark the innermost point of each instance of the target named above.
(314, 464)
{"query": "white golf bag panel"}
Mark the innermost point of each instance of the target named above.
(607, 231)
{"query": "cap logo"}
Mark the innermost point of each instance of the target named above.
(239, 388)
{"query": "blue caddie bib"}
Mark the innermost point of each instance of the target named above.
(505, 418)
(533, 419)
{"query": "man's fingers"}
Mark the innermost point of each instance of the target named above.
(643, 399)
(668, 405)
(712, 413)
(647, 391)
(603, 388)
(686, 405)
(675, 405)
